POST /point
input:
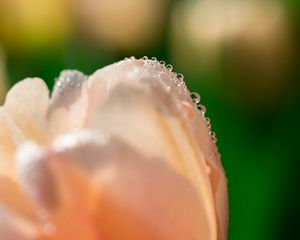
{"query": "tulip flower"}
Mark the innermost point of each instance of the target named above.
(123, 154)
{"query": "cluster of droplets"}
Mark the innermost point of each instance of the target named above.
(196, 100)
(167, 69)
(178, 78)
(69, 80)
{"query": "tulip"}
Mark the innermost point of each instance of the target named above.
(122, 154)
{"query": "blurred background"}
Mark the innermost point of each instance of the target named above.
(242, 56)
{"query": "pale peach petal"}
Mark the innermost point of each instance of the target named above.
(10, 137)
(146, 199)
(34, 177)
(195, 126)
(68, 103)
(27, 103)
(14, 227)
(12, 196)
(128, 195)
(148, 106)
(58, 191)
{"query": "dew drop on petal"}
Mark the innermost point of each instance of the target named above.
(180, 76)
(196, 97)
(163, 63)
(214, 137)
(68, 80)
(202, 108)
(208, 122)
(207, 119)
(169, 67)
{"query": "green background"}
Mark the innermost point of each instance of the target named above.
(258, 140)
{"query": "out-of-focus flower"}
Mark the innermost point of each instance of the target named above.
(208, 25)
(122, 154)
(121, 24)
(33, 23)
(252, 37)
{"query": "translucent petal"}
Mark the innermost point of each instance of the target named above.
(27, 103)
(12, 196)
(126, 194)
(10, 137)
(68, 103)
(58, 191)
(141, 197)
(145, 104)
(34, 177)
(14, 227)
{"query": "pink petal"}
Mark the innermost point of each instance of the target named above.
(141, 197)
(148, 106)
(12, 197)
(27, 103)
(68, 103)
(58, 191)
(14, 227)
(10, 137)
(126, 194)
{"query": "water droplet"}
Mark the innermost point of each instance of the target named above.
(145, 58)
(196, 97)
(163, 63)
(179, 84)
(154, 59)
(169, 67)
(68, 80)
(202, 108)
(214, 137)
(180, 76)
